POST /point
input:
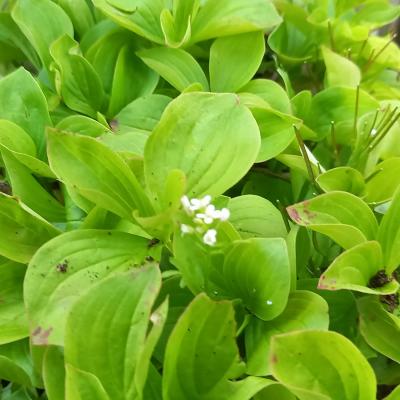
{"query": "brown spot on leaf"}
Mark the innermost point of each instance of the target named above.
(274, 359)
(62, 267)
(292, 212)
(379, 279)
(40, 336)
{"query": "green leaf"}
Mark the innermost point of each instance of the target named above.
(298, 358)
(343, 315)
(132, 79)
(54, 373)
(16, 363)
(343, 217)
(344, 179)
(113, 348)
(139, 16)
(176, 66)
(257, 271)
(29, 191)
(389, 234)
(42, 22)
(177, 26)
(340, 71)
(82, 125)
(338, 104)
(254, 216)
(271, 92)
(354, 269)
(386, 177)
(380, 329)
(214, 145)
(80, 14)
(98, 174)
(193, 262)
(231, 17)
(23, 231)
(143, 113)
(15, 138)
(13, 320)
(304, 310)
(375, 13)
(11, 34)
(234, 60)
(78, 83)
(65, 267)
(81, 385)
(18, 90)
(202, 355)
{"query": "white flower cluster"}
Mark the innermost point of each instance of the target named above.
(203, 214)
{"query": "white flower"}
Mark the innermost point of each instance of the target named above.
(186, 229)
(210, 237)
(186, 203)
(269, 302)
(224, 214)
(374, 132)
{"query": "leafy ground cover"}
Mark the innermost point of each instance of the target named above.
(199, 200)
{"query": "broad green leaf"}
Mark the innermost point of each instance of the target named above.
(82, 125)
(192, 260)
(132, 79)
(129, 144)
(344, 179)
(143, 113)
(13, 320)
(343, 315)
(254, 216)
(17, 90)
(257, 271)
(15, 138)
(80, 14)
(389, 58)
(340, 71)
(214, 145)
(389, 234)
(304, 310)
(42, 22)
(54, 373)
(231, 17)
(65, 267)
(374, 14)
(29, 191)
(139, 16)
(81, 385)
(383, 182)
(295, 39)
(98, 174)
(16, 363)
(202, 356)
(178, 299)
(78, 83)
(343, 217)
(23, 231)
(275, 391)
(176, 66)
(234, 60)
(11, 34)
(380, 328)
(276, 131)
(354, 270)
(271, 92)
(125, 302)
(338, 104)
(318, 365)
